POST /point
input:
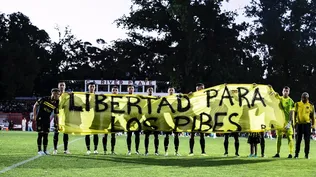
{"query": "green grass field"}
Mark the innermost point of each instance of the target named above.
(16, 147)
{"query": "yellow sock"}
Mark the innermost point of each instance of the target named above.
(279, 143)
(291, 143)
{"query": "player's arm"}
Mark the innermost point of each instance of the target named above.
(272, 92)
(290, 122)
(292, 111)
(35, 108)
(56, 121)
(295, 112)
(56, 112)
(312, 116)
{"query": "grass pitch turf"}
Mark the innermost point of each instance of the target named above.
(16, 147)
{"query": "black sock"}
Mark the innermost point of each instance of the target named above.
(236, 147)
(55, 140)
(65, 139)
(129, 140)
(176, 142)
(146, 142)
(156, 142)
(202, 143)
(45, 141)
(39, 141)
(96, 141)
(262, 143)
(226, 142)
(137, 141)
(236, 136)
(113, 141)
(87, 139)
(192, 143)
(166, 142)
(105, 141)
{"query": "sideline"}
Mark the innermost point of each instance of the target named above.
(32, 158)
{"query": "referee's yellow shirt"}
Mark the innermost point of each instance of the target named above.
(304, 112)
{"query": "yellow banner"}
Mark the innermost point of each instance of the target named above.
(223, 108)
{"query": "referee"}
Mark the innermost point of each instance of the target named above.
(304, 116)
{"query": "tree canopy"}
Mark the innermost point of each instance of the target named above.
(183, 42)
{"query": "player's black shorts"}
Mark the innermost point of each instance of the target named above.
(42, 125)
(151, 132)
(169, 133)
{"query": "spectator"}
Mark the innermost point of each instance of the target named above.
(30, 125)
(11, 125)
(17, 106)
(23, 124)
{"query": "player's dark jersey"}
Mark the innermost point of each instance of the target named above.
(46, 107)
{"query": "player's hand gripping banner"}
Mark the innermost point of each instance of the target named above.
(223, 108)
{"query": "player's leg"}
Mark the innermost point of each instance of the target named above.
(166, 143)
(87, 140)
(39, 143)
(176, 143)
(96, 143)
(66, 139)
(307, 138)
(156, 142)
(278, 143)
(147, 134)
(46, 128)
(289, 135)
(299, 134)
(129, 142)
(256, 149)
(113, 141)
(55, 140)
(202, 143)
(251, 150)
(236, 137)
(105, 142)
(45, 142)
(191, 143)
(226, 142)
(137, 141)
(262, 143)
(41, 127)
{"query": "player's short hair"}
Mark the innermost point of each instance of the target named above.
(61, 82)
(286, 87)
(114, 87)
(199, 85)
(130, 86)
(170, 87)
(55, 90)
(305, 94)
(91, 83)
